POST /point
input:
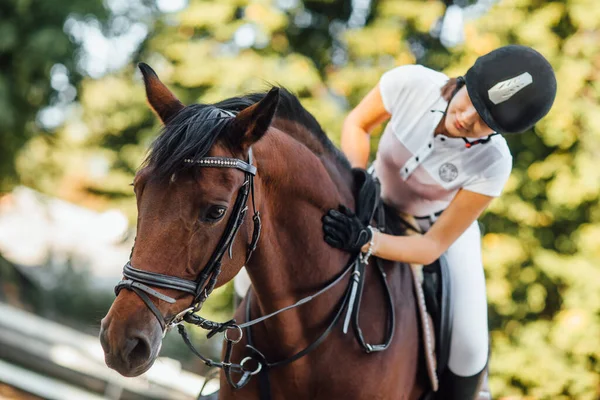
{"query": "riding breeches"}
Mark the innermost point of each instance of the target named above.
(469, 342)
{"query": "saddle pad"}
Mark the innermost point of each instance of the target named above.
(427, 327)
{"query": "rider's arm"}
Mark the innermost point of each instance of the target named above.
(367, 115)
(425, 249)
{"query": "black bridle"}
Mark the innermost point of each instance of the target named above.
(139, 282)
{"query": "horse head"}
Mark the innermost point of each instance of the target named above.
(192, 194)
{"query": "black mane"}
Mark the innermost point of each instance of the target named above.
(192, 132)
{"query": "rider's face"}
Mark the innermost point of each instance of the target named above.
(462, 120)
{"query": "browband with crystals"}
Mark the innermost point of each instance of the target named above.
(224, 162)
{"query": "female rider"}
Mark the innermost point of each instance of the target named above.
(441, 152)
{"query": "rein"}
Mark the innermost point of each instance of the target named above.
(139, 282)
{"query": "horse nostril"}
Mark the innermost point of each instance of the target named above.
(140, 350)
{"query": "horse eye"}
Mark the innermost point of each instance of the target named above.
(215, 213)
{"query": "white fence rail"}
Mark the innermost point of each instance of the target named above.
(55, 362)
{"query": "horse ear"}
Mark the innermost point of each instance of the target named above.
(252, 122)
(163, 102)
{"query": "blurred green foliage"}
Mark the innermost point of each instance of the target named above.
(542, 245)
(32, 41)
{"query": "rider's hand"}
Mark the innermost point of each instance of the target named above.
(344, 230)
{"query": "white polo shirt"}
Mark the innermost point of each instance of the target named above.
(420, 174)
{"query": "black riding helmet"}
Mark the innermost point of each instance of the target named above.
(512, 88)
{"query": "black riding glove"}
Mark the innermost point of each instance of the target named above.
(344, 230)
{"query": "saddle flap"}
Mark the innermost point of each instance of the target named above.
(366, 193)
(432, 289)
(427, 328)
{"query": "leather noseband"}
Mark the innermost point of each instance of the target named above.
(139, 281)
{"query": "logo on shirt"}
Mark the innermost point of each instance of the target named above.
(448, 172)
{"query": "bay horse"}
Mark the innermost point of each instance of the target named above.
(185, 212)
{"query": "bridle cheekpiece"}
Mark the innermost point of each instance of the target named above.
(139, 281)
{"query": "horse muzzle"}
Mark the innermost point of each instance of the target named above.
(130, 347)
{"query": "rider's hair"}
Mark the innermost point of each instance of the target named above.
(451, 87)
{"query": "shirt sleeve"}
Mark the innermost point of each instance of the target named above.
(492, 180)
(398, 85)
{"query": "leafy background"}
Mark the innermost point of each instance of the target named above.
(74, 124)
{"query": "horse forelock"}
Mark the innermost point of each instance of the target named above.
(188, 135)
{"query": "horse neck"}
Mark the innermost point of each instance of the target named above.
(295, 187)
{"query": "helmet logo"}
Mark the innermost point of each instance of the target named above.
(504, 90)
(448, 172)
